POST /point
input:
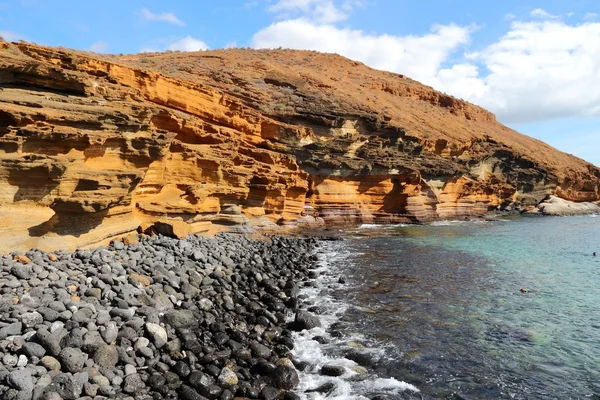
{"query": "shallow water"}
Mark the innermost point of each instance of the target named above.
(441, 308)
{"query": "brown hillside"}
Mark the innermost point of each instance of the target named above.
(91, 146)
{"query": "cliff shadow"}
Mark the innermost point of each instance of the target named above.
(33, 184)
(395, 201)
(69, 224)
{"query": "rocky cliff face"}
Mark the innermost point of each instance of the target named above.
(91, 147)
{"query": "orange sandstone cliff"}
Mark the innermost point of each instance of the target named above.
(93, 147)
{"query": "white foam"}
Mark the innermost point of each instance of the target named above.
(383, 226)
(458, 222)
(331, 258)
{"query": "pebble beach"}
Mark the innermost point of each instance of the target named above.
(159, 318)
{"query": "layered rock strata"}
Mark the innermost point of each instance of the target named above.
(94, 147)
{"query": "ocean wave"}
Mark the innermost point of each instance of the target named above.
(347, 386)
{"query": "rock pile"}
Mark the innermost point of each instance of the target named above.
(188, 319)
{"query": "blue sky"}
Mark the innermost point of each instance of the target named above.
(536, 64)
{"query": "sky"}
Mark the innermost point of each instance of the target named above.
(535, 64)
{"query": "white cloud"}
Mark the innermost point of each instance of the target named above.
(510, 16)
(319, 11)
(539, 70)
(419, 57)
(188, 43)
(541, 13)
(10, 36)
(100, 46)
(590, 16)
(167, 17)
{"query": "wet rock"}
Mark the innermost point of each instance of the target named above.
(305, 320)
(284, 377)
(332, 370)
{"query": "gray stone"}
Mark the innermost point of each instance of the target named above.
(141, 342)
(51, 342)
(32, 349)
(181, 319)
(110, 333)
(130, 369)
(32, 319)
(11, 329)
(90, 389)
(22, 361)
(306, 320)
(284, 377)
(100, 380)
(51, 396)
(10, 360)
(49, 314)
(332, 370)
(106, 356)
(21, 379)
(227, 377)
(72, 359)
(68, 386)
(260, 350)
(205, 304)
(22, 271)
(50, 363)
(158, 334)
(132, 383)
(82, 315)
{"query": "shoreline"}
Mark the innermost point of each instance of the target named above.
(163, 318)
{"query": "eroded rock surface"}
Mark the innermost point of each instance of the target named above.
(93, 147)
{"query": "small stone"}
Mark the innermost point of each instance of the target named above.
(72, 359)
(132, 383)
(22, 361)
(132, 238)
(332, 370)
(106, 356)
(305, 320)
(158, 334)
(285, 377)
(22, 259)
(10, 360)
(181, 319)
(260, 350)
(21, 380)
(11, 330)
(90, 389)
(110, 333)
(137, 279)
(141, 342)
(68, 386)
(49, 341)
(94, 292)
(130, 369)
(50, 363)
(227, 377)
(100, 380)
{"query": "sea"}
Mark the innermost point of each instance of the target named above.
(503, 309)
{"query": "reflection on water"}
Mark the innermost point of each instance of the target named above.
(446, 302)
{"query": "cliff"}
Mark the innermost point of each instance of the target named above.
(94, 147)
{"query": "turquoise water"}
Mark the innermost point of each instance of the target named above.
(446, 301)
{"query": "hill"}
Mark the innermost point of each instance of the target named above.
(94, 146)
